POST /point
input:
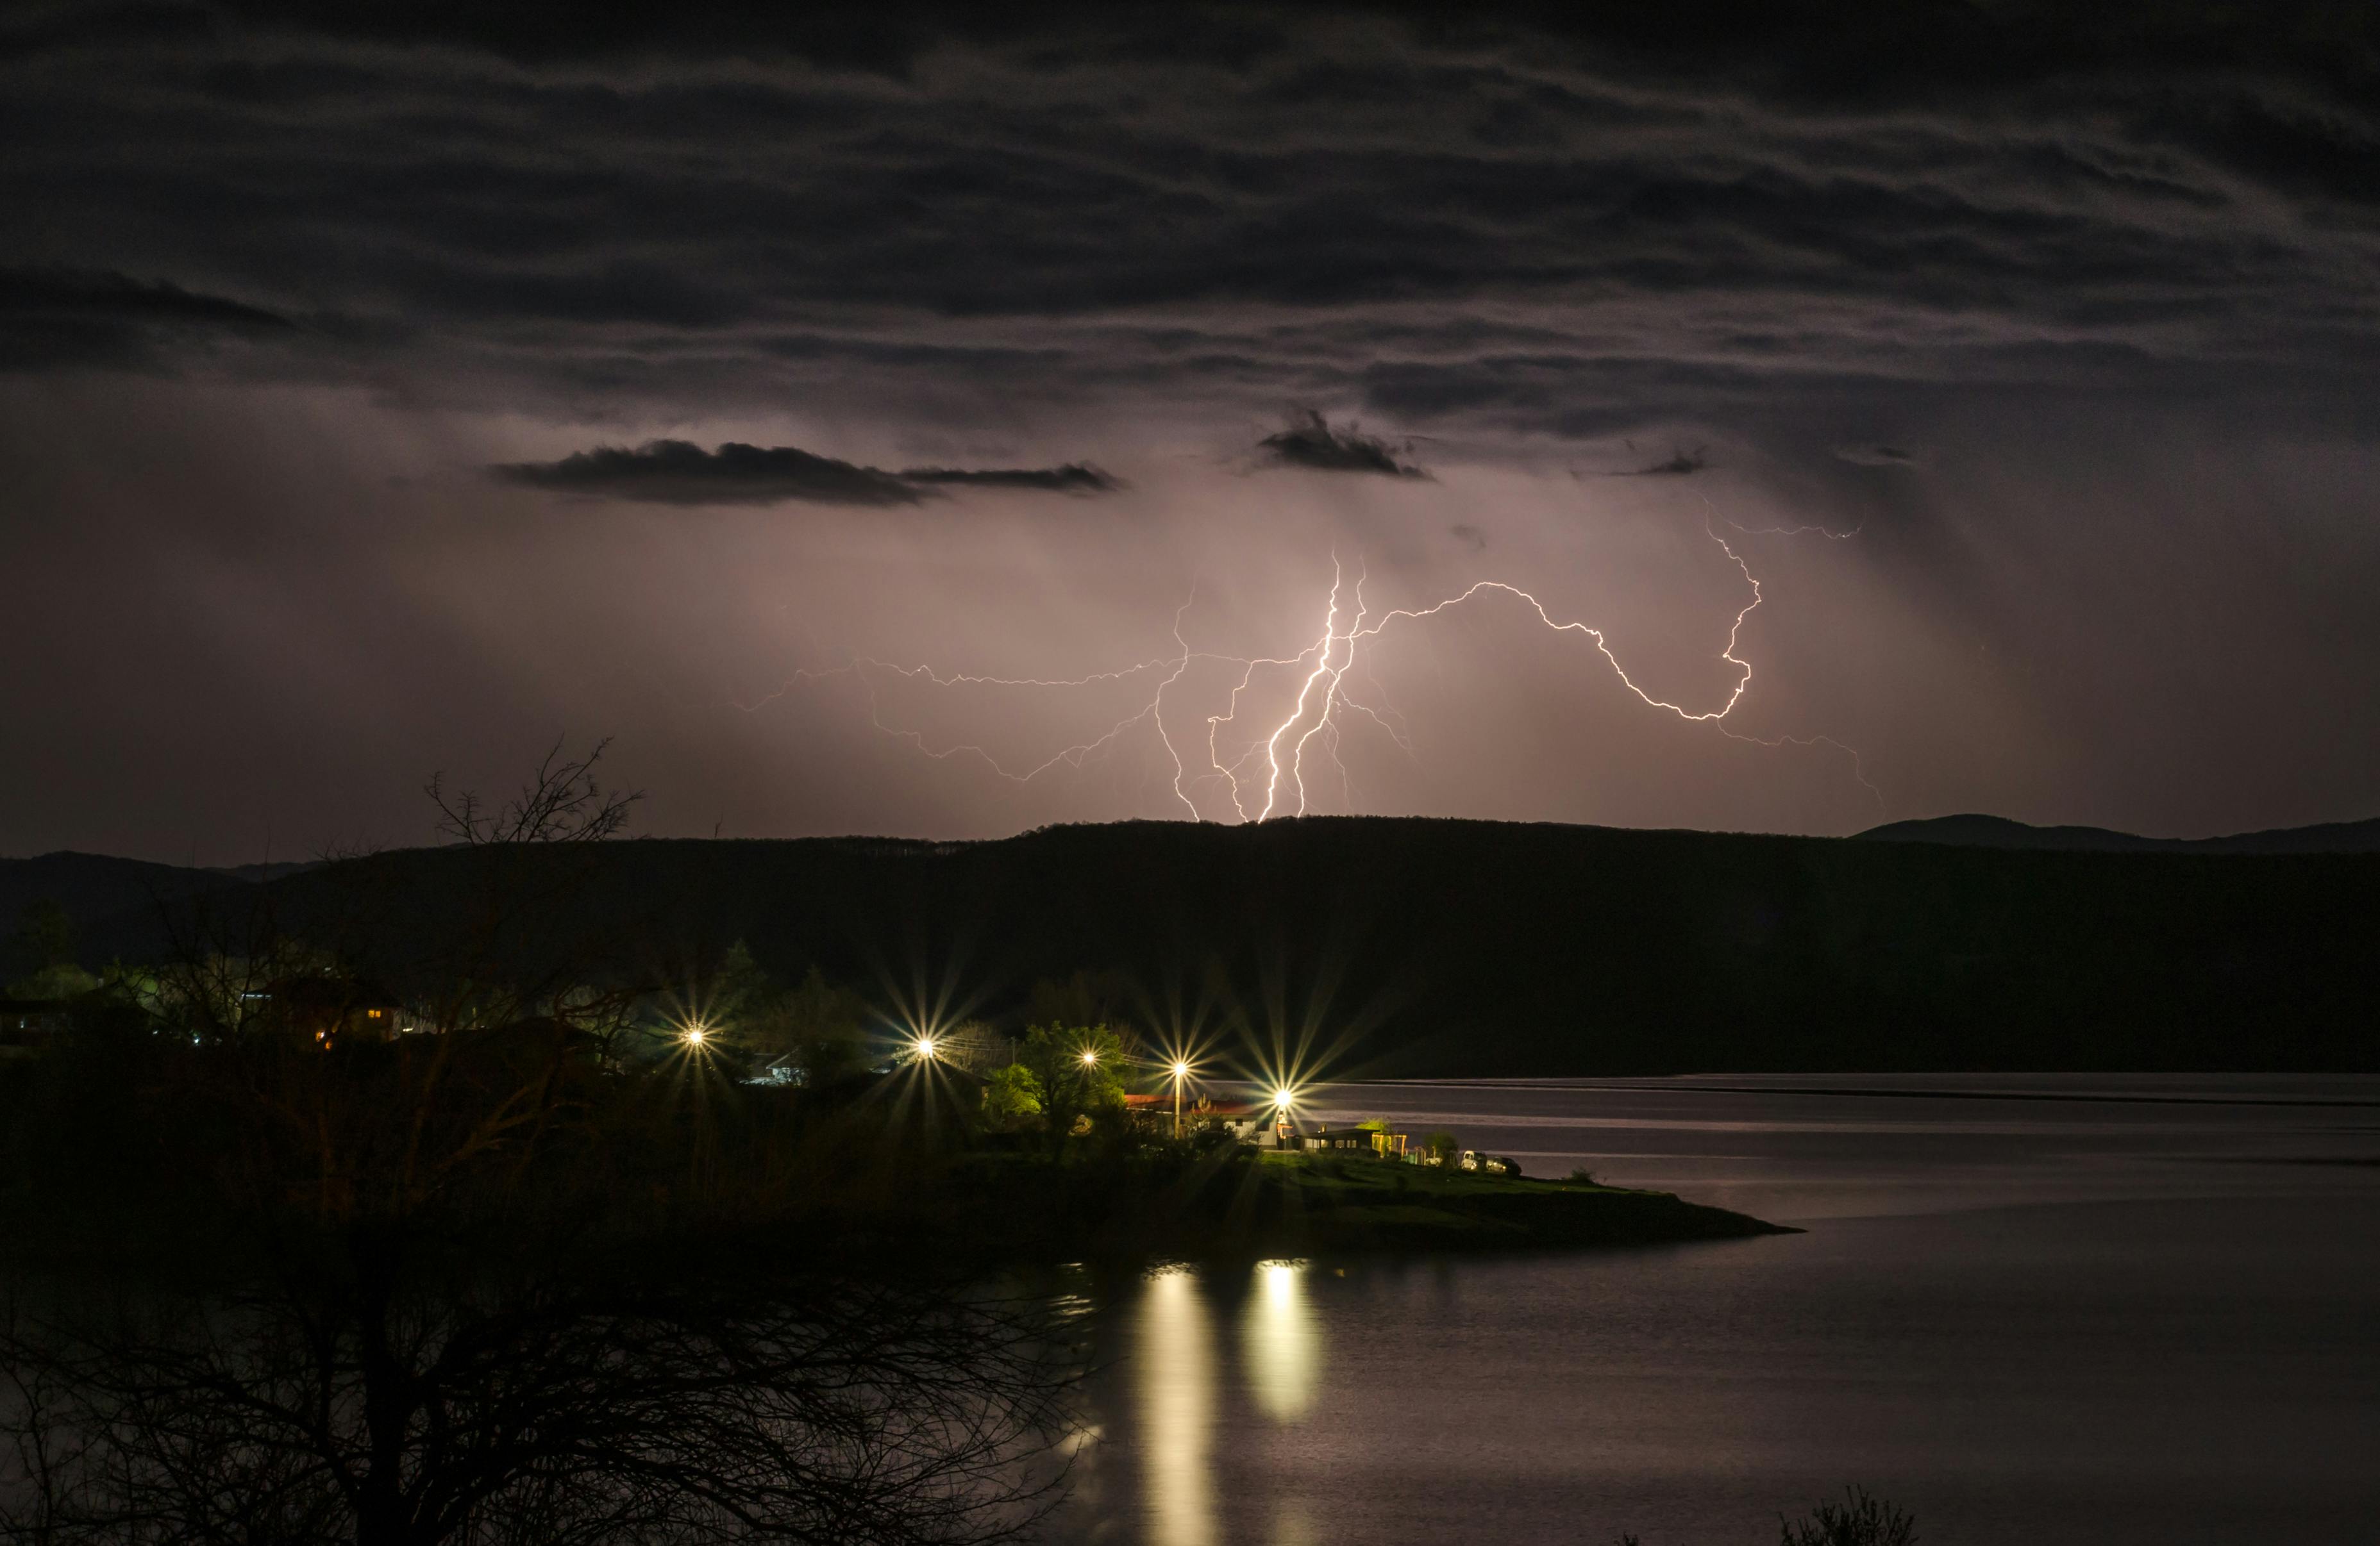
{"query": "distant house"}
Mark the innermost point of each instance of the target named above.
(1242, 1119)
(325, 1011)
(1365, 1140)
(30, 1026)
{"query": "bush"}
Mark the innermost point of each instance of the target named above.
(1582, 1177)
(1862, 1519)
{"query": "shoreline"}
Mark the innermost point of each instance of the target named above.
(1250, 1207)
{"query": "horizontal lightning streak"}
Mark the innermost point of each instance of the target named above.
(1320, 696)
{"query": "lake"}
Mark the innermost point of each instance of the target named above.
(2097, 1309)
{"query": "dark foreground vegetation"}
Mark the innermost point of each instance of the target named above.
(1860, 1520)
(281, 1271)
(512, 1283)
(481, 1287)
(507, 1222)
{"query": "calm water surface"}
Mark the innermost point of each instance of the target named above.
(2026, 1315)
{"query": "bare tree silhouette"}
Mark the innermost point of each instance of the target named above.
(486, 1282)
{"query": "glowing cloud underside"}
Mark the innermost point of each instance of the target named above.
(1264, 774)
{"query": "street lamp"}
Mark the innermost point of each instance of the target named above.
(1090, 1058)
(1181, 1073)
(925, 1049)
(693, 1034)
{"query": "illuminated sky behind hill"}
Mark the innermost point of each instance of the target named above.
(400, 398)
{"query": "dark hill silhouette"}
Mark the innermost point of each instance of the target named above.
(1454, 948)
(1991, 831)
(93, 886)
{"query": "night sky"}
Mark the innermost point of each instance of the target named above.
(401, 398)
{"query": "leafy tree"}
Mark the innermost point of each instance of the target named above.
(1099, 998)
(821, 1026)
(742, 996)
(45, 934)
(1080, 1071)
(45, 942)
(827, 1028)
(1444, 1148)
(63, 980)
(1012, 1099)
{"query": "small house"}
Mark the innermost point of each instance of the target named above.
(324, 1010)
(1239, 1118)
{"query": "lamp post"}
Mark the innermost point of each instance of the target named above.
(1180, 1071)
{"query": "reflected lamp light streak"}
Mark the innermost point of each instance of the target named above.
(1282, 1345)
(1174, 1370)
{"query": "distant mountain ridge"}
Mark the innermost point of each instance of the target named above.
(1974, 830)
(1388, 946)
(93, 886)
(1385, 946)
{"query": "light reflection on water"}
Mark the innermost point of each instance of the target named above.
(1174, 1372)
(1283, 1344)
(1178, 1380)
(2069, 1324)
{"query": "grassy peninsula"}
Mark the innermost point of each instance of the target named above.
(1328, 1204)
(1172, 1203)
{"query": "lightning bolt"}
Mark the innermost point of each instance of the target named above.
(1276, 758)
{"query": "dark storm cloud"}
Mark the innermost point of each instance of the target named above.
(1681, 464)
(2026, 240)
(118, 296)
(1875, 456)
(1074, 477)
(70, 317)
(1310, 441)
(1531, 225)
(679, 472)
